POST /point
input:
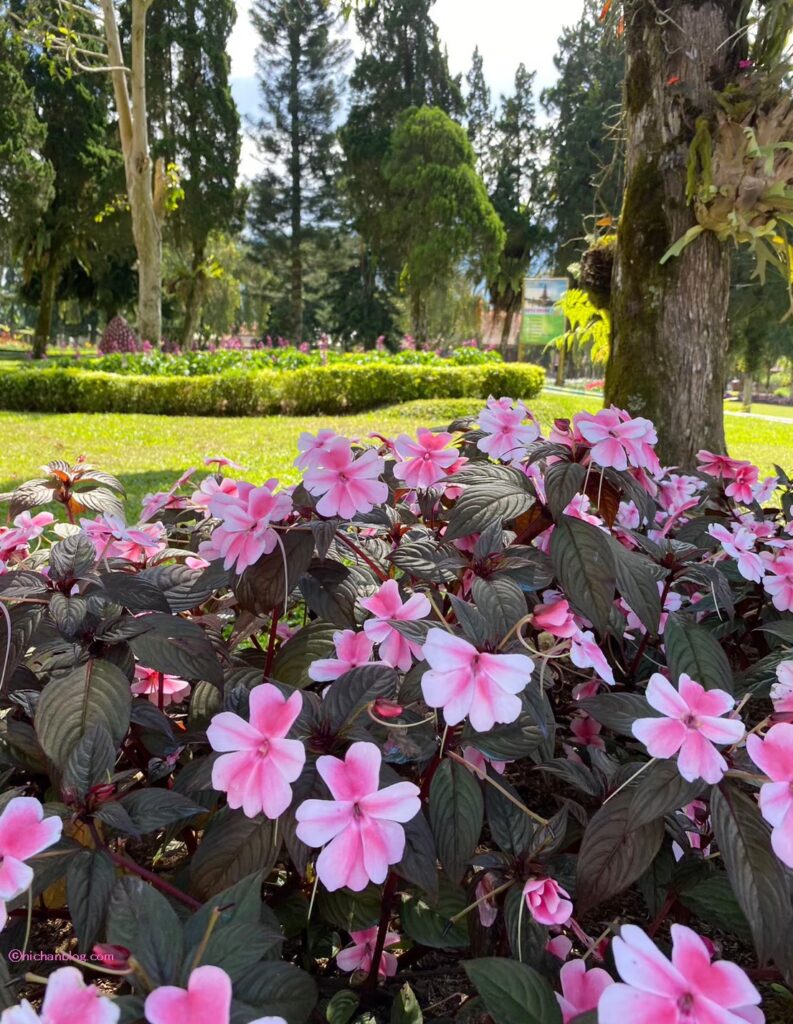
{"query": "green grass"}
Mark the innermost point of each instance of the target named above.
(149, 452)
(762, 409)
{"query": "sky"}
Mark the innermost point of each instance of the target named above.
(512, 31)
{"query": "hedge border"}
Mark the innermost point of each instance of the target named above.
(308, 391)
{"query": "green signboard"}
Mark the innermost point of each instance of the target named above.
(542, 321)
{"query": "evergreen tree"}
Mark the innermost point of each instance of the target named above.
(479, 114)
(518, 194)
(300, 61)
(584, 160)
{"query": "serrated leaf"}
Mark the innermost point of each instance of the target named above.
(501, 601)
(613, 853)
(178, 647)
(584, 564)
(135, 593)
(233, 846)
(563, 480)
(71, 558)
(308, 645)
(263, 586)
(755, 872)
(96, 693)
(510, 828)
(480, 505)
(185, 588)
(428, 922)
(659, 790)
(284, 990)
(691, 649)
(152, 809)
(357, 687)
(456, 809)
(513, 993)
(331, 591)
(90, 762)
(143, 921)
(90, 879)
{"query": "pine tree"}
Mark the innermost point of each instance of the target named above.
(300, 60)
(479, 114)
(584, 104)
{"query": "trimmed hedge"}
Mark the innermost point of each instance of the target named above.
(323, 389)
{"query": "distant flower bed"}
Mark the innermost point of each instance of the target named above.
(200, 363)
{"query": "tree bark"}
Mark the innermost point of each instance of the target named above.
(43, 331)
(195, 300)
(669, 343)
(507, 303)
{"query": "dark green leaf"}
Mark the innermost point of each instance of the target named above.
(263, 586)
(178, 647)
(456, 810)
(637, 582)
(659, 790)
(280, 990)
(419, 861)
(510, 828)
(584, 564)
(691, 649)
(357, 687)
(308, 645)
(427, 922)
(142, 920)
(406, 1009)
(513, 993)
(563, 480)
(90, 762)
(134, 593)
(152, 809)
(341, 1007)
(72, 557)
(501, 602)
(90, 879)
(233, 846)
(618, 711)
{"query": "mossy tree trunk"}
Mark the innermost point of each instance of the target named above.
(669, 343)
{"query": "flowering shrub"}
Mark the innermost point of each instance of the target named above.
(118, 336)
(504, 709)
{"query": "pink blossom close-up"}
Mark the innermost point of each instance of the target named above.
(778, 581)
(782, 689)
(147, 684)
(358, 956)
(585, 652)
(314, 447)
(67, 1000)
(424, 460)
(346, 486)
(581, 988)
(506, 432)
(24, 832)
(689, 989)
(245, 532)
(353, 649)
(257, 762)
(465, 682)
(387, 604)
(361, 828)
(547, 901)
(693, 722)
(616, 442)
(206, 1000)
(739, 543)
(773, 755)
(555, 618)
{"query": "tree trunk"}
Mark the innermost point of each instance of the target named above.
(507, 303)
(561, 366)
(669, 344)
(296, 215)
(748, 391)
(195, 300)
(43, 331)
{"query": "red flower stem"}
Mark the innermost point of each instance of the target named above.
(268, 661)
(662, 914)
(160, 690)
(150, 876)
(385, 916)
(364, 557)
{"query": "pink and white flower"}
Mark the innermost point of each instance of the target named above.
(206, 1000)
(739, 544)
(67, 1000)
(387, 604)
(581, 989)
(347, 486)
(692, 723)
(425, 460)
(112, 538)
(585, 653)
(617, 440)
(211, 486)
(507, 435)
(245, 532)
(782, 690)
(147, 684)
(465, 682)
(24, 832)
(555, 618)
(314, 447)
(352, 650)
(258, 763)
(743, 483)
(689, 989)
(778, 581)
(774, 755)
(719, 465)
(358, 956)
(547, 901)
(361, 828)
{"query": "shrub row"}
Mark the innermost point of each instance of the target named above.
(327, 389)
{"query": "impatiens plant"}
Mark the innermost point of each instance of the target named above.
(485, 723)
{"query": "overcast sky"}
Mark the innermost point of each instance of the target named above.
(506, 31)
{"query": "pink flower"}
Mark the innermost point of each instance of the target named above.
(581, 989)
(206, 1000)
(678, 492)
(628, 516)
(616, 441)
(578, 508)
(358, 957)
(347, 485)
(425, 460)
(479, 761)
(506, 433)
(147, 684)
(395, 649)
(763, 491)
(24, 832)
(585, 653)
(256, 772)
(245, 533)
(211, 486)
(782, 690)
(67, 1000)
(739, 544)
(689, 989)
(742, 487)
(463, 681)
(113, 539)
(313, 448)
(487, 909)
(221, 462)
(779, 582)
(361, 827)
(719, 465)
(692, 723)
(774, 756)
(546, 901)
(555, 618)
(587, 731)
(560, 946)
(28, 527)
(352, 650)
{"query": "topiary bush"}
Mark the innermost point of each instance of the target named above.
(479, 724)
(118, 336)
(319, 389)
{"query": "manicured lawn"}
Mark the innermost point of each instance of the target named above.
(762, 409)
(149, 452)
